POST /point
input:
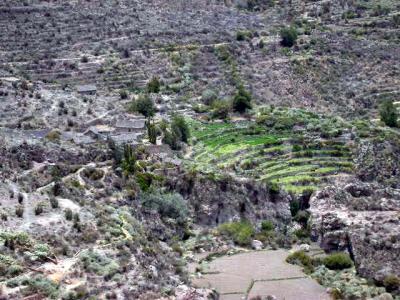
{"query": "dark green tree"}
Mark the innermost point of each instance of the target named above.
(288, 36)
(389, 114)
(242, 100)
(152, 132)
(143, 105)
(171, 139)
(180, 128)
(128, 163)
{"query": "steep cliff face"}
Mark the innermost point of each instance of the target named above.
(362, 218)
(216, 201)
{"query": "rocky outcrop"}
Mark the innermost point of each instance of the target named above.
(220, 200)
(363, 219)
(379, 161)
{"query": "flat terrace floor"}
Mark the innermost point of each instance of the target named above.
(259, 273)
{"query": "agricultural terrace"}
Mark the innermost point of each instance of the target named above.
(291, 149)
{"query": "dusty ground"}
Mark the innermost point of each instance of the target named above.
(261, 273)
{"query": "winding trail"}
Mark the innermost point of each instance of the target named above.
(259, 273)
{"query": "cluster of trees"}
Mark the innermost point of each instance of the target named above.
(220, 109)
(173, 134)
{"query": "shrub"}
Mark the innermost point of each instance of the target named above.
(99, 264)
(302, 259)
(296, 148)
(42, 285)
(19, 211)
(180, 128)
(152, 133)
(128, 163)
(242, 100)
(294, 207)
(68, 214)
(391, 283)
(20, 198)
(288, 36)
(338, 261)
(171, 139)
(242, 35)
(143, 105)
(302, 233)
(39, 209)
(144, 180)
(389, 114)
(84, 59)
(267, 226)
(273, 187)
(167, 205)
(396, 19)
(53, 135)
(220, 110)
(208, 97)
(123, 94)
(153, 86)
(240, 232)
(302, 217)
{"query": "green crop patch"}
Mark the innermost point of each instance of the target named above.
(298, 150)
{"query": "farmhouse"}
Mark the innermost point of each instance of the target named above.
(127, 138)
(86, 89)
(100, 132)
(125, 126)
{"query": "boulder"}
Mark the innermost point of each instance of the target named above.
(256, 244)
(304, 247)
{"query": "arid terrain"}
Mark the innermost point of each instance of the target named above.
(200, 149)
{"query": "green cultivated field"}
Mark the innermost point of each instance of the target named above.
(297, 150)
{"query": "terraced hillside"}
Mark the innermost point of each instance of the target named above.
(344, 60)
(293, 149)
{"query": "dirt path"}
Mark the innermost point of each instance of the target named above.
(259, 273)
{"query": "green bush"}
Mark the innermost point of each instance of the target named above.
(242, 100)
(242, 35)
(123, 94)
(128, 162)
(19, 211)
(39, 209)
(144, 180)
(180, 128)
(338, 261)
(40, 284)
(391, 283)
(267, 226)
(208, 97)
(167, 205)
(302, 217)
(273, 187)
(302, 259)
(302, 233)
(389, 114)
(154, 85)
(143, 105)
(240, 232)
(294, 207)
(95, 262)
(152, 133)
(220, 110)
(68, 214)
(54, 202)
(288, 36)
(171, 139)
